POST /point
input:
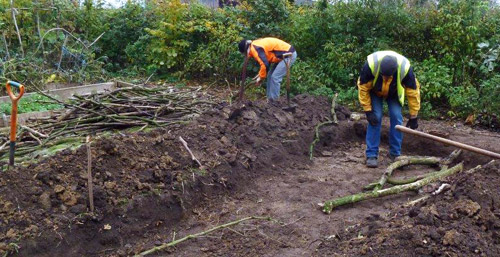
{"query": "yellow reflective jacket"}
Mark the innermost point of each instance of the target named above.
(405, 83)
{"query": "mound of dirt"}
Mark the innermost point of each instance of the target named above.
(144, 183)
(464, 221)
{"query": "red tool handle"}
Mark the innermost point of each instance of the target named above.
(14, 98)
(13, 116)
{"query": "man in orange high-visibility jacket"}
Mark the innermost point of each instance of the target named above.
(267, 51)
(388, 76)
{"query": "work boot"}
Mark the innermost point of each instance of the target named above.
(393, 157)
(371, 162)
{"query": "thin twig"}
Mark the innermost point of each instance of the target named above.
(184, 143)
(33, 131)
(36, 138)
(6, 46)
(67, 33)
(175, 242)
(14, 12)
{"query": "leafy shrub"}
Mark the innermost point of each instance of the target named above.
(489, 96)
(218, 57)
(304, 78)
(435, 83)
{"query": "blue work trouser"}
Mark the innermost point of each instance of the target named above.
(275, 76)
(373, 132)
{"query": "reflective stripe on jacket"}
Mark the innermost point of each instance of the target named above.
(268, 50)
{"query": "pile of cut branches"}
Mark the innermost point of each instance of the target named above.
(134, 107)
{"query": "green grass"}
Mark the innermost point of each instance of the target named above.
(32, 103)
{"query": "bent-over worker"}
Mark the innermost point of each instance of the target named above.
(387, 75)
(267, 51)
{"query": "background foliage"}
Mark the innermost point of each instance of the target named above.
(452, 44)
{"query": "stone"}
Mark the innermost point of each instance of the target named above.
(110, 185)
(225, 140)
(11, 233)
(467, 207)
(327, 153)
(68, 198)
(452, 238)
(355, 116)
(249, 115)
(59, 189)
(45, 200)
(281, 118)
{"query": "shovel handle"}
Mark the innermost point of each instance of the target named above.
(243, 78)
(287, 64)
(448, 142)
(19, 86)
(13, 116)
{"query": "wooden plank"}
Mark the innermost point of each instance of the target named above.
(23, 118)
(65, 93)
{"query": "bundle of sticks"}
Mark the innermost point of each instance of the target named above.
(124, 108)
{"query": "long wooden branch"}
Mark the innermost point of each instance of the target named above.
(404, 161)
(328, 206)
(165, 245)
(403, 181)
(449, 142)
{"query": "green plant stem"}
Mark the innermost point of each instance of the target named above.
(175, 242)
(316, 130)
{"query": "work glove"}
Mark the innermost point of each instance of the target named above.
(372, 118)
(257, 79)
(412, 123)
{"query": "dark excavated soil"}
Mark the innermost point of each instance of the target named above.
(147, 190)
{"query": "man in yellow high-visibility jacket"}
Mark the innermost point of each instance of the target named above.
(387, 75)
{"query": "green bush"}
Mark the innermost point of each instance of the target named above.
(436, 86)
(305, 77)
(489, 97)
(453, 44)
(218, 56)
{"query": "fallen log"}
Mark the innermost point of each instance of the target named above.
(404, 161)
(328, 206)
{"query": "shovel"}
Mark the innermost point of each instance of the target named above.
(13, 117)
(287, 59)
(243, 78)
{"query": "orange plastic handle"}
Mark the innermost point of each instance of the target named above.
(13, 97)
(13, 115)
